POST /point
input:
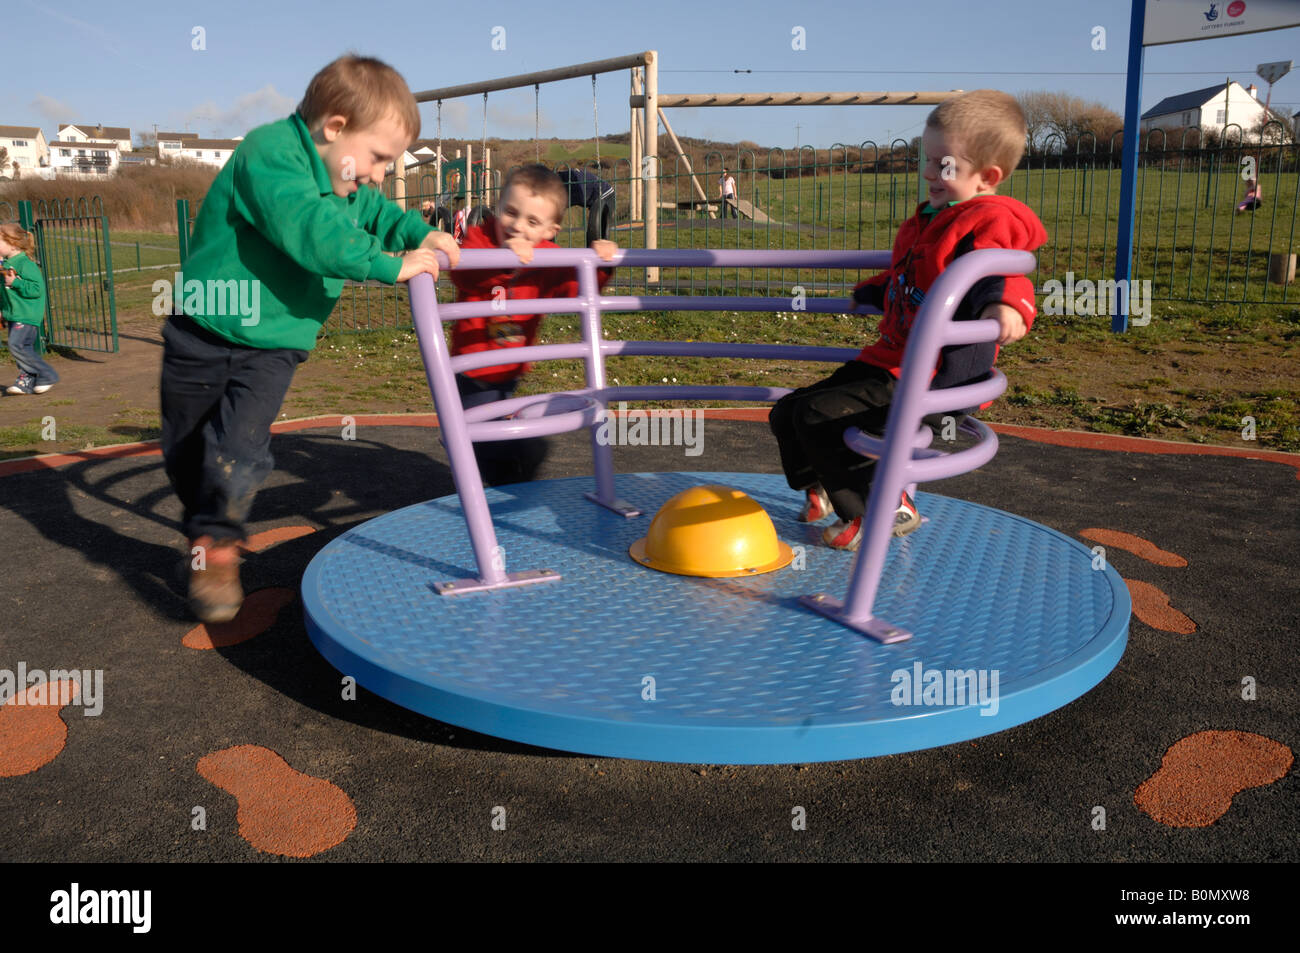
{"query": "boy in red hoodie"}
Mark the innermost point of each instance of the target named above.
(972, 144)
(528, 216)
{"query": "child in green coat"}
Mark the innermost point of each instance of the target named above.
(22, 302)
(293, 213)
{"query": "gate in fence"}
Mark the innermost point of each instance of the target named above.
(72, 245)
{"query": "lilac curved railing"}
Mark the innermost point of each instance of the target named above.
(905, 459)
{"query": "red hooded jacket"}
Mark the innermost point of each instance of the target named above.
(926, 244)
(506, 331)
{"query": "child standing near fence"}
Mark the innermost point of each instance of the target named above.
(22, 302)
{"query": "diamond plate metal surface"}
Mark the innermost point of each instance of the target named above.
(741, 672)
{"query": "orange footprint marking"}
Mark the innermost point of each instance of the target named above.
(1151, 605)
(1201, 773)
(281, 811)
(32, 734)
(255, 616)
(1142, 548)
(260, 541)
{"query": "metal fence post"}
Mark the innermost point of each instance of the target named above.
(183, 229)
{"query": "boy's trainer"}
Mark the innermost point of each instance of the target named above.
(817, 507)
(906, 518)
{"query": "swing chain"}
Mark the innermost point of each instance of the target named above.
(537, 122)
(437, 185)
(595, 120)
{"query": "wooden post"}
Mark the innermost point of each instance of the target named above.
(686, 159)
(634, 150)
(652, 154)
(1281, 269)
(399, 181)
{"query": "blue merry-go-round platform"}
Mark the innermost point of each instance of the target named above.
(1010, 620)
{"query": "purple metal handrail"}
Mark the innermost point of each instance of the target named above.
(905, 457)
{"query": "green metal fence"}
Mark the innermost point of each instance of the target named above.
(1190, 242)
(76, 258)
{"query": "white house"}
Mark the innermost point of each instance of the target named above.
(27, 148)
(119, 136)
(69, 157)
(169, 143)
(213, 152)
(1211, 109)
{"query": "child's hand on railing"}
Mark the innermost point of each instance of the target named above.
(604, 248)
(417, 261)
(1011, 321)
(522, 247)
(441, 241)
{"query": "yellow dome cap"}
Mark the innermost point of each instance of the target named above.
(711, 531)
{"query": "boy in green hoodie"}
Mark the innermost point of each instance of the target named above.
(283, 225)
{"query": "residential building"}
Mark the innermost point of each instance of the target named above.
(119, 136)
(71, 157)
(213, 152)
(27, 148)
(1211, 109)
(169, 143)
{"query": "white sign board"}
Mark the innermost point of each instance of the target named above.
(1177, 21)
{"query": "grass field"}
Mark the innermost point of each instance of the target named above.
(1222, 345)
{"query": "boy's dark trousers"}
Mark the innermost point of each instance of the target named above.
(218, 403)
(23, 339)
(809, 425)
(501, 461)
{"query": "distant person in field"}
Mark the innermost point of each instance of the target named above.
(972, 144)
(295, 212)
(527, 217)
(727, 192)
(1254, 197)
(22, 302)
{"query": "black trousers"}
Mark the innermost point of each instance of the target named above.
(501, 461)
(809, 425)
(218, 403)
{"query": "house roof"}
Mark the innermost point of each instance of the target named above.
(99, 132)
(19, 132)
(173, 136)
(210, 144)
(1184, 101)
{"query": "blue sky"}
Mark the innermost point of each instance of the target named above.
(134, 64)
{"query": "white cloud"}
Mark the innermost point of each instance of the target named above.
(53, 109)
(250, 110)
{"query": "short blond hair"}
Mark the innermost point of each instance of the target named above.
(988, 123)
(363, 90)
(541, 181)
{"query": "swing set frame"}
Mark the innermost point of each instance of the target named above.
(647, 111)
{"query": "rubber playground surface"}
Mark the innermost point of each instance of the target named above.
(240, 743)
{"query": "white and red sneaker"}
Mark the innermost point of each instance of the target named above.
(817, 507)
(842, 535)
(906, 518)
